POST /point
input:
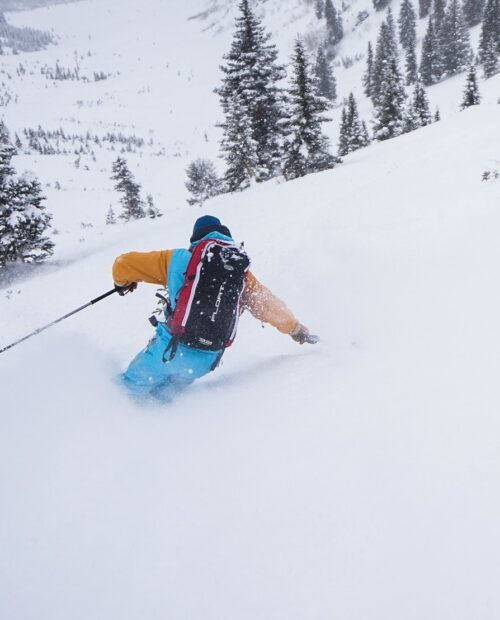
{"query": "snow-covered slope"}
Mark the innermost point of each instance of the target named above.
(354, 480)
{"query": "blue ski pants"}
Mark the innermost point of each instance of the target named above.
(149, 374)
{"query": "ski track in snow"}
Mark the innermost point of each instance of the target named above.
(355, 479)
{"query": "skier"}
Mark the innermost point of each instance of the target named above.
(174, 358)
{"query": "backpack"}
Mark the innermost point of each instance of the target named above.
(208, 305)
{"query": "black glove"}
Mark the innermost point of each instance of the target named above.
(301, 335)
(123, 290)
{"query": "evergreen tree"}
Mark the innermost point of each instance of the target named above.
(29, 221)
(334, 26)
(203, 181)
(250, 82)
(380, 5)
(473, 12)
(421, 111)
(110, 217)
(455, 46)
(23, 218)
(438, 12)
(471, 92)
(132, 205)
(319, 8)
(489, 44)
(437, 116)
(239, 147)
(306, 147)
(385, 53)
(353, 133)
(327, 85)
(368, 75)
(407, 21)
(152, 210)
(430, 63)
(424, 6)
(390, 106)
(408, 38)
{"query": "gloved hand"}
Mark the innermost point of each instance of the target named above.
(123, 290)
(301, 335)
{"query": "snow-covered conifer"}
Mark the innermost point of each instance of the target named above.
(454, 39)
(431, 68)
(250, 82)
(110, 217)
(473, 12)
(203, 181)
(424, 7)
(379, 5)
(368, 74)
(334, 26)
(353, 132)
(385, 53)
(489, 44)
(420, 105)
(390, 106)
(319, 8)
(327, 85)
(471, 92)
(24, 223)
(152, 210)
(408, 37)
(306, 147)
(239, 148)
(438, 12)
(132, 205)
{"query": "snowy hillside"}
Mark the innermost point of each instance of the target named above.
(356, 479)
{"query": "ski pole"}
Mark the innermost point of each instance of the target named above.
(62, 318)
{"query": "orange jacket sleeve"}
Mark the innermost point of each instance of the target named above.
(266, 307)
(149, 267)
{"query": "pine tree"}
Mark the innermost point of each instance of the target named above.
(110, 217)
(408, 38)
(368, 75)
(386, 52)
(438, 12)
(473, 12)
(203, 181)
(471, 92)
(353, 133)
(380, 5)
(407, 21)
(489, 44)
(28, 221)
(437, 115)
(152, 210)
(23, 218)
(327, 85)
(334, 26)
(420, 106)
(424, 6)
(390, 106)
(250, 82)
(132, 205)
(319, 8)
(430, 64)
(455, 46)
(239, 147)
(306, 147)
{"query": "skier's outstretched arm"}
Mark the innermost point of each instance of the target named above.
(268, 308)
(151, 267)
